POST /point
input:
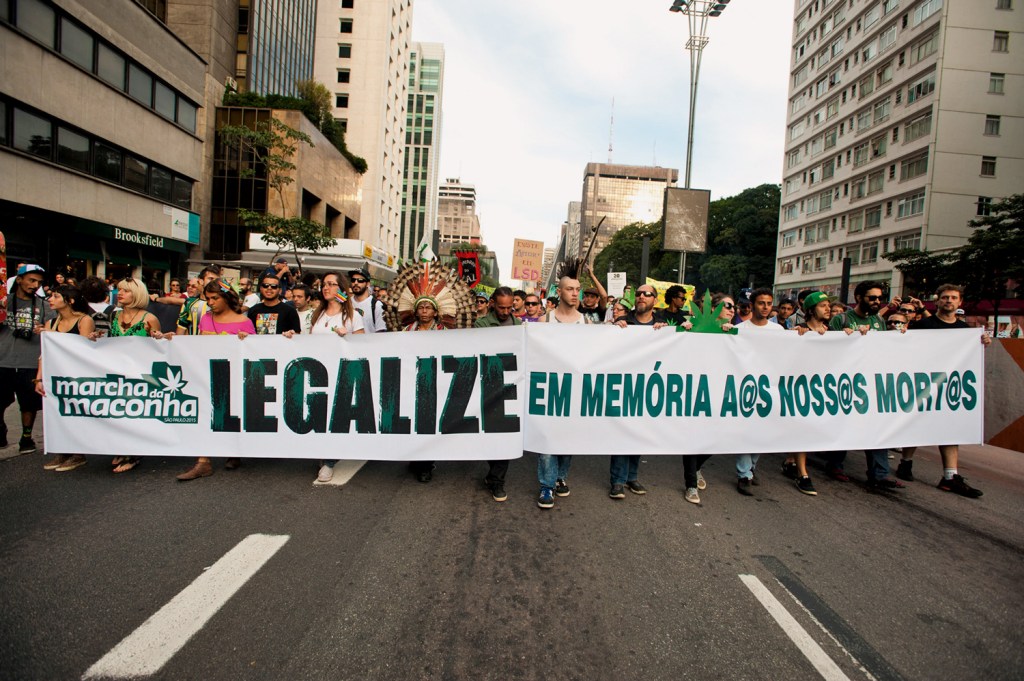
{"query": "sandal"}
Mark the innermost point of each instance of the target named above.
(127, 463)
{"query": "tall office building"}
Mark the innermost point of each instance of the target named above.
(571, 228)
(274, 49)
(362, 55)
(549, 262)
(457, 220)
(905, 122)
(621, 195)
(422, 146)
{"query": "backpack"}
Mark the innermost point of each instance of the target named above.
(102, 320)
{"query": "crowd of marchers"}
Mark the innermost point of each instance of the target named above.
(346, 303)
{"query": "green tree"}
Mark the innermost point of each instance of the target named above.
(994, 254)
(270, 146)
(923, 271)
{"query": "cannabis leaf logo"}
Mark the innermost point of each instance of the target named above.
(705, 319)
(166, 378)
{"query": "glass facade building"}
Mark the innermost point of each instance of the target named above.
(422, 146)
(274, 47)
(621, 195)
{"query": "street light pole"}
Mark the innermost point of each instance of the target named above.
(697, 13)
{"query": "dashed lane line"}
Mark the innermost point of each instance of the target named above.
(818, 658)
(147, 649)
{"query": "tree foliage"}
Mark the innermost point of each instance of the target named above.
(986, 265)
(742, 232)
(271, 145)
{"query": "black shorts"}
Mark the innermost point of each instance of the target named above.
(18, 382)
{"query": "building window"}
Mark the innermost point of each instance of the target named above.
(992, 125)
(344, 51)
(136, 172)
(110, 66)
(72, 149)
(859, 188)
(792, 211)
(912, 241)
(887, 38)
(873, 217)
(33, 134)
(914, 167)
(882, 110)
(341, 101)
(995, 83)
(855, 224)
(860, 154)
(793, 158)
(106, 162)
(1004, 4)
(984, 206)
(889, 6)
(876, 181)
(1000, 41)
(925, 10)
(76, 44)
(344, 75)
(140, 85)
(988, 166)
(869, 253)
(878, 146)
(346, 26)
(918, 127)
(786, 266)
(348, 4)
(910, 205)
(38, 20)
(924, 48)
(920, 88)
(788, 238)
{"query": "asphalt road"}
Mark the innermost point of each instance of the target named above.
(387, 578)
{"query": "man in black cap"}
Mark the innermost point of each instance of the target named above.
(595, 299)
(365, 302)
(282, 272)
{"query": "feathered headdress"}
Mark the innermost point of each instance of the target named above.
(454, 300)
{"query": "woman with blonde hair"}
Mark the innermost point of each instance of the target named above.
(131, 319)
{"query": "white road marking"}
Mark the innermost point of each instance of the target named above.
(147, 649)
(344, 471)
(820, 660)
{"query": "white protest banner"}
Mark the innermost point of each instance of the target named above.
(490, 393)
(425, 396)
(639, 390)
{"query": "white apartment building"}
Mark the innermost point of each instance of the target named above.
(362, 55)
(905, 122)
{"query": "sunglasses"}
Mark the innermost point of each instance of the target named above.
(907, 310)
(532, 302)
(869, 298)
(646, 294)
(270, 286)
(728, 306)
(356, 280)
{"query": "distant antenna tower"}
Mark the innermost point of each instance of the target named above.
(611, 131)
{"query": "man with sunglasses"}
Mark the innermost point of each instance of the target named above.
(533, 311)
(863, 317)
(365, 303)
(271, 316)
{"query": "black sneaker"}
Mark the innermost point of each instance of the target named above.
(635, 487)
(743, 487)
(805, 485)
(498, 492)
(545, 500)
(561, 488)
(754, 480)
(904, 471)
(26, 445)
(617, 492)
(789, 470)
(960, 486)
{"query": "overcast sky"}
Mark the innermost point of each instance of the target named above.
(528, 95)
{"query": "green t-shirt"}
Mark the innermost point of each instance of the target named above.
(851, 320)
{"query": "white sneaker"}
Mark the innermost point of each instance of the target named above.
(701, 482)
(692, 496)
(325, 474)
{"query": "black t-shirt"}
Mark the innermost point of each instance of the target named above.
(631, 319)
(274, 319)
(934, 322)
(676, 318)
(596, 314)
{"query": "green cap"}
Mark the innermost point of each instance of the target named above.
(813, 299)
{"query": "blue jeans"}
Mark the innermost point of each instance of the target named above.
(878, 463)
(745, 465)
(552, 467)
(624, 468)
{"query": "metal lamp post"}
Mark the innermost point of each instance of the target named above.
(697, 13)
